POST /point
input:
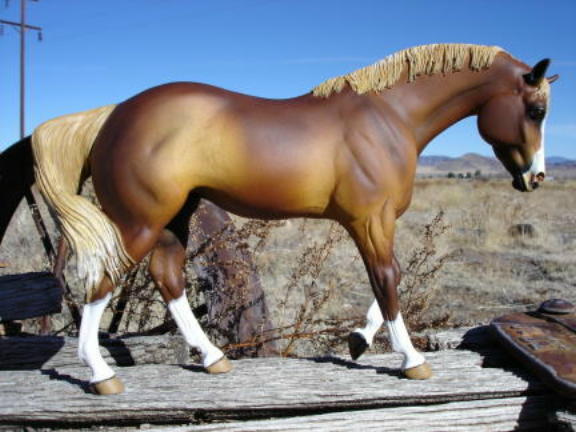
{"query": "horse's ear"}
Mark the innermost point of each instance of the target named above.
(552, 78)
(536, 75)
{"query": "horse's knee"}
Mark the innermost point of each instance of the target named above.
(385, 290)
(166, 266)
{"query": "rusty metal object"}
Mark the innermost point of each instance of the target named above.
(545, 343)
(557, 306)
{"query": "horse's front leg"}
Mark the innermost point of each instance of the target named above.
(362, 338)
(374, 235)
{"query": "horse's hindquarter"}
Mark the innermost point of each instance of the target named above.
(257, 157)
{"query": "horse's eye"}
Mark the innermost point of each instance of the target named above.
(536, 113)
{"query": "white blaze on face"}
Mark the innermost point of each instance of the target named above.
(537, 170)
(539, 161)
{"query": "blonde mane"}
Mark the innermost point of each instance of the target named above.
(420, 60)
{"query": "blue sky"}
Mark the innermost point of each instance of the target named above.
(100, 52)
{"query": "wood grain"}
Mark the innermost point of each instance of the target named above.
(259, 389)
(472, 416)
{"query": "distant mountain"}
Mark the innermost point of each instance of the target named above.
(432, 160)
(559, 160)
(471, 163)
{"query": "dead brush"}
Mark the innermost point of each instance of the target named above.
(300, 320)
(305, 275)
(227, 281)
(136, 305)
(419, 278)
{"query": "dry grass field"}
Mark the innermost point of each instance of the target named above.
(464, 257)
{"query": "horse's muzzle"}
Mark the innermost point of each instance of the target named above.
(528, 182)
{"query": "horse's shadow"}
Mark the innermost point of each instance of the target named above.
(45, 348)
(117, 349)
(349, 364)
(193, 368)
(53, 374)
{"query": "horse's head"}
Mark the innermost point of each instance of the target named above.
(513, 120)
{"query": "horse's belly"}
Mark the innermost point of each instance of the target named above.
(270, 200)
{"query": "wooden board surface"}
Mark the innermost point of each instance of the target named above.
(259, 388)
(505, 414)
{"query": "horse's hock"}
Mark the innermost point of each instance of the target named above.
(477, 387)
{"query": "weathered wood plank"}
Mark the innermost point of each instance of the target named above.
(29, 295)
(257, 388)
(464, 337)
(493, 415)
(36, 352)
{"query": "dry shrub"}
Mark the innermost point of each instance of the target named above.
(419, 279)
(136, 305)
(305, 275)
(227, 282)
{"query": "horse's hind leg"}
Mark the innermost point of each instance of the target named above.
(138, 240)
(166, 268)
(103, 380)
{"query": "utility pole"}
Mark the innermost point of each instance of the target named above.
(23, 27)
(59, 259)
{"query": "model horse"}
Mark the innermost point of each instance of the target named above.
(347, 151)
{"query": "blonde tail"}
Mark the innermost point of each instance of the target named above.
(61, 149)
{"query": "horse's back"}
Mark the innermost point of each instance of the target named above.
(241, 151)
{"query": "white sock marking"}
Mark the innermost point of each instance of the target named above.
(374, 321)
(193, 333)
(88, 347)
(399, 338)
(401, 343)
(539, 160)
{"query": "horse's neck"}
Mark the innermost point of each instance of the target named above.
(430, 105)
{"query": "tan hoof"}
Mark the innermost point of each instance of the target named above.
(219, 367)
(108, 387)
(422, 372)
